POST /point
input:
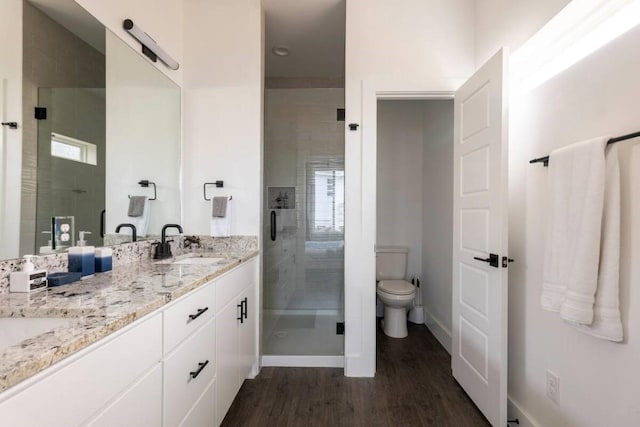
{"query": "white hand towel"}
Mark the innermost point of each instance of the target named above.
(221, 227)
(141, 222)
(606, 312)
(576, 190)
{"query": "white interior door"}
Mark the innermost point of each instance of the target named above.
(479, 312)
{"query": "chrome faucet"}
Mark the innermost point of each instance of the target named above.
(163, 249)
(134, 233)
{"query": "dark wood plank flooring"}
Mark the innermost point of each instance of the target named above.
(413, 386)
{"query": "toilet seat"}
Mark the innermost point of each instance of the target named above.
(396, 287)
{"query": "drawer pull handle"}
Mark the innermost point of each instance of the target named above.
(201, 365)
(241, 307)
(198, 314)
(244, 309)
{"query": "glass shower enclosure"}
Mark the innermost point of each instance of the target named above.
(303, 249)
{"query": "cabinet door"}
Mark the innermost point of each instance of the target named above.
(140, 406)
(227, 357)
(247, 335)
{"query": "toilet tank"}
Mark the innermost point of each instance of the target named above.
(391, 262)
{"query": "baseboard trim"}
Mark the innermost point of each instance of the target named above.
(515, 410)
(442, 334)
(303, 361)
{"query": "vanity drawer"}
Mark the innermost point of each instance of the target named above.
(187, 314)
(234, 282)
(203, 413)
(193, 358)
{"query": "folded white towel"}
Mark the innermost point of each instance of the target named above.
(221, 226)
(572, 251)
(141, 222)
(606, 312)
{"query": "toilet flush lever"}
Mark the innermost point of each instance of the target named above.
(493, 260)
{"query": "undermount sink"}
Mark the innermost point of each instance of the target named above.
(14, 330)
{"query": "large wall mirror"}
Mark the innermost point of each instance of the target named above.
(98, 120)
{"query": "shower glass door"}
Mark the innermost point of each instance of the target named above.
(304, 223)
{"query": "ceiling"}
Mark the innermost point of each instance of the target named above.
(314, 32)
(74, 18)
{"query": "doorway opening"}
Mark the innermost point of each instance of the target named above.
(303, 184)
(414, 202)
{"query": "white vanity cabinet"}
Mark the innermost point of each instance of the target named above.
(109, 371)
(179, 366)
(236, 342)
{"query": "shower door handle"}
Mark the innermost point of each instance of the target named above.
(273, 226)
(102, 222)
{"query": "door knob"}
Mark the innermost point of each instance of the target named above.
(493, 260)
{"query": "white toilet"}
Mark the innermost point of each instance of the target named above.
(395, 293)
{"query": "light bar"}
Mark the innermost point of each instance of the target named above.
(149, 46)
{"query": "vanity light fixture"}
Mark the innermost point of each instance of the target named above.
(280, 51)
(149, 46)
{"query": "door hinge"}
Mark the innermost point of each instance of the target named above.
(340, 115)
(40, 113)
(340, 328)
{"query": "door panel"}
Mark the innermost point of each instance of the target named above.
(479, 310)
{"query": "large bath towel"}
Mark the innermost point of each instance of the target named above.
(606, 312)
(572, 249)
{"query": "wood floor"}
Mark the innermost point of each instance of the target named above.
(413, 386)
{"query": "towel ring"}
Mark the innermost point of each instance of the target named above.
(218, 184)
(145, 183)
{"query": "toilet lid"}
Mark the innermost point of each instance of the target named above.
(397, 287)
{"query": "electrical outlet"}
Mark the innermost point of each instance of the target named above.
(553, 387)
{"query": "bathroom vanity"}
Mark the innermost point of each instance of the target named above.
(148, 344)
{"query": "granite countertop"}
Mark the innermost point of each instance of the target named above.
(97, 307)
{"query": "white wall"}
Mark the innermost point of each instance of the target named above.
(222, 95)
(416, 45)
(437, 218)
(399, 181)
(163, 21)
(598, 379)
(10, 139)
(509, 23)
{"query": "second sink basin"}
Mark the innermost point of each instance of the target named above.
(14, 330)
(199, 260)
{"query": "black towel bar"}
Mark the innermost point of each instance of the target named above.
(545, 160)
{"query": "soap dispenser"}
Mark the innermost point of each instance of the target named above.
(29, 279)
(82, 257)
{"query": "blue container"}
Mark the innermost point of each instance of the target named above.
(82, 260)
(63, 278)
(104, 259)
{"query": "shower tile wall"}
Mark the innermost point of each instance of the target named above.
(52, 57)
(300, 127)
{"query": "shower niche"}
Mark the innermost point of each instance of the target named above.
(282, 197)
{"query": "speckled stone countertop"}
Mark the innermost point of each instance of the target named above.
(97, 307)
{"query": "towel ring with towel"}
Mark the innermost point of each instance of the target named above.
(145, 183)
(545, 160)
(218, 184)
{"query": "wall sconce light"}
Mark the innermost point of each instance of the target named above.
(149, 46)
